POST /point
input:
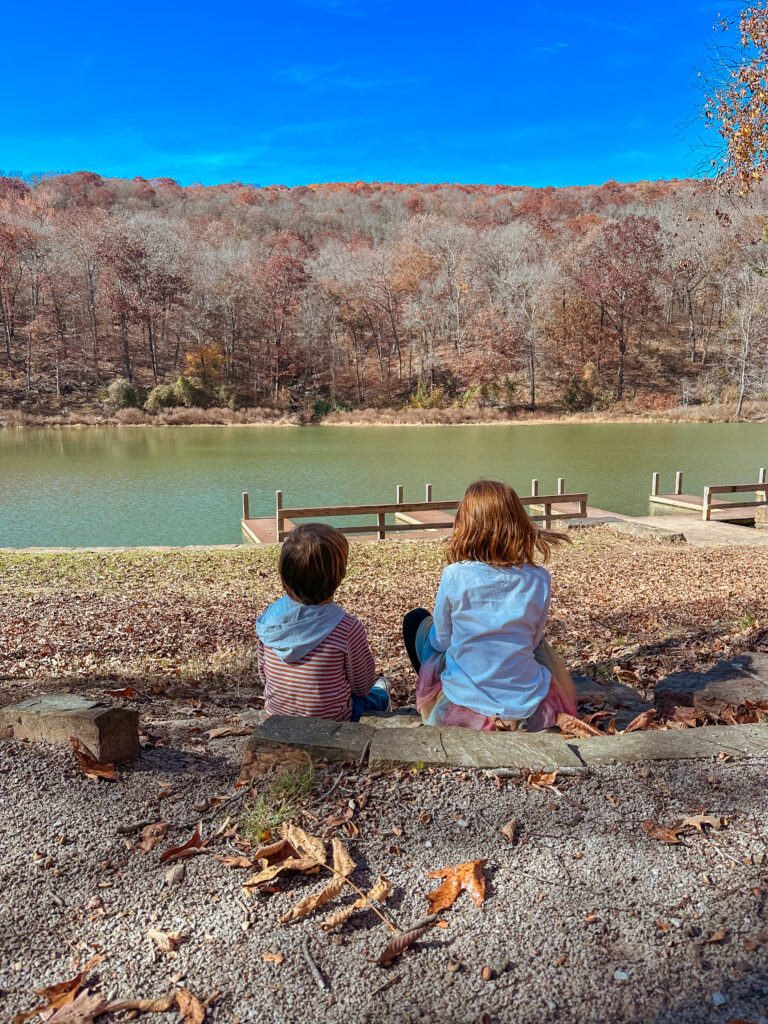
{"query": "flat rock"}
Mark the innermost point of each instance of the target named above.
(110, 733)
(674, 744)
(646, 532)
(761, 516)
(320, 738)
(471, 749)
(735, 681)
(618, 698)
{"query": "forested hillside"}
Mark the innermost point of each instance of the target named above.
(378, 295)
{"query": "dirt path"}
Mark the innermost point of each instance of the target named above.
(586, 918)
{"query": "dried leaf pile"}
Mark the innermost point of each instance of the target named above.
(160, 619)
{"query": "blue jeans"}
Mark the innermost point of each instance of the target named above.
(377, 700)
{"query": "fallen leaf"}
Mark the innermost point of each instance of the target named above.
(700, 820)
(305, 843)
(272, 958)
(662, 926)
(160, 1005)
(329, 891)
(642, 721)
(572, 726)
(88, 763)
(60, 994)
(403, 941)
(539, 780)
(379, 893)
(231, 861)
(281, 760)
(189, 848)
(718, 936)
(468, 876)
(128, 693)
(230, 730)
(397, 830)
(82, 1010)
(191, 1009)
(660, 832)
(344, 866)
(166, 942)
(590, 918)
(150, 836)
(509, 830)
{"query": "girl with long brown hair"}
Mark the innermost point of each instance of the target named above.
(482, 658)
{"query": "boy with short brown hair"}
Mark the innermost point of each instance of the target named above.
(314, 658)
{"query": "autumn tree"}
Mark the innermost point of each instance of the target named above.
(617, 268)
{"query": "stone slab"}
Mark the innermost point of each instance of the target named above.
(645, 531)
(111, 733)
(729, 682)
(470, 749)
(761, 516)
(674, 744)
(319, 737)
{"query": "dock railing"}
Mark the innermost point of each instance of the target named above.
(757, 489)
(707, 504)
(412, 510)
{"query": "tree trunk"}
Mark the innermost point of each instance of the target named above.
(126, 347)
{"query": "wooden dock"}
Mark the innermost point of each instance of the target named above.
(740, 513)
(413, 520)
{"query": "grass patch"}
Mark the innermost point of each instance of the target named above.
(277, 804)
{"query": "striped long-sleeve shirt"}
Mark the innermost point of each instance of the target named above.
(321, 683)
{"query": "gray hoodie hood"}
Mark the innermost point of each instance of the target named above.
(292, 630)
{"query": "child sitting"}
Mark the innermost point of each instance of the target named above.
(314, 658)
(482, 660)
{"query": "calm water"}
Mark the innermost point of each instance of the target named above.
(182, 485)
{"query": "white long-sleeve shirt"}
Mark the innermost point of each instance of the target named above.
(488, 620)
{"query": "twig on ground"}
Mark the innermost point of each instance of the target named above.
(314, 970)
(383, 985)
(324, 796)
(126, 830)
(218, 808)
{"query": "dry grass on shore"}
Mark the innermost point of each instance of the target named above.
(263, 416)
(138, 616)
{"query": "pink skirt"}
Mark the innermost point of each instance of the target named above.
(436, 709)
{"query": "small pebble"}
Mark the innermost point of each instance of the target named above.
(620, 976)
(718, 998)
(486, 973)
(453, 966)
(462, 823)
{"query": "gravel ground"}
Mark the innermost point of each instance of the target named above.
(585, 918)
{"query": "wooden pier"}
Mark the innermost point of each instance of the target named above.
(710, 509)
(413, 519)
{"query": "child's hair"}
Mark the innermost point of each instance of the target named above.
(492, 526)
(313, 562)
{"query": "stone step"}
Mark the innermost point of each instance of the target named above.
(111, 733)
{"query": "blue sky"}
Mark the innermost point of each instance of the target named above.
(301, 91)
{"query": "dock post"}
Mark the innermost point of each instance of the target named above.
(547, 515)
(428, 493)
(534, 488)
(246, 506)
(706, 508)
(399, 494)
(678, 483)
(561, 485)
(761, 495)
(654, 484)
(381, 520)
(278, 515)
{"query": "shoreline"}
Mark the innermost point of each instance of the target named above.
(754, 412)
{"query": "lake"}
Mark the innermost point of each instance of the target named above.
(93, 486)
